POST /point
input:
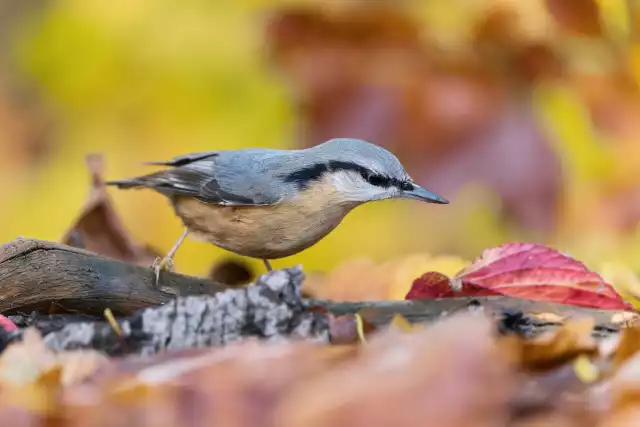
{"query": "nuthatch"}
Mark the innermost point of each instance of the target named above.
(270, 204)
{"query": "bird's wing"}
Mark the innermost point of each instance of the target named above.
(217, 178)
(185, 159)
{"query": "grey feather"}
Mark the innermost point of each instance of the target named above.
(184, 159)
(254, 177)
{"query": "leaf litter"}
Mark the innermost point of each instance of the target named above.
(402, 374)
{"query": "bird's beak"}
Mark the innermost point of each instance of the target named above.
(419, 193)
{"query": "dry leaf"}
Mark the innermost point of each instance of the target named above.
(99, 229)
(23, 362)
(553, 349)
(405, 379)
(366, 71)
(628, 346)
(577, 16)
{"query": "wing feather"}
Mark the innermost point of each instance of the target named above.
(202, 177)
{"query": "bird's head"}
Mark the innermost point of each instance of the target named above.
(360, 172)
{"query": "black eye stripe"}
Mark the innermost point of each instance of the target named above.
(314, 172)
(377, 180)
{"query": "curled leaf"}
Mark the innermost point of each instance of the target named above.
(524, 270)
(99, 229)
(553, 349)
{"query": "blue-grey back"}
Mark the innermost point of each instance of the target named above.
(261, 175)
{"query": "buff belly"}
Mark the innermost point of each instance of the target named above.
(266, 232)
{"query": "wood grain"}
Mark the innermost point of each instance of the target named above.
(47, 276)
(53, 278)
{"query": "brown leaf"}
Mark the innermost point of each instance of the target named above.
(32, 378)
(576, 16)
(23, 362)
(238, 384)
(381, 84)
(625, 392)
(425, 376)
(628, 346)
(79, 365)
(35, 401)
(99, 229)
(28, 131)
(554, 349)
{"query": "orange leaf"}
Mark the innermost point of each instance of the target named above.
(555, 348)
(577, 16)
(628, 346)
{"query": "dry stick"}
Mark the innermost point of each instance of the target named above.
(270, 309)
(34, 274)
(418, 311)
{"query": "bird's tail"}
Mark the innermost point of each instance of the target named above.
(129, 183)
(150, 181)
(126, 183)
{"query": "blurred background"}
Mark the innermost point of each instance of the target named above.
(525, 114)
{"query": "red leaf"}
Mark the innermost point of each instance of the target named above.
(437, 285)
(7, 324)
(524, 270)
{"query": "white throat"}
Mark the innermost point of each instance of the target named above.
(352, 187)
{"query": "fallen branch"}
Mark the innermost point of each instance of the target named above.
(34, 274)
(46, 276)
(271, 309)
(420, 311)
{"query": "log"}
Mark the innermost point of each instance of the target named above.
(47, 276)
(270, 309)
(273, 309)
(34, 274)
(531, 317)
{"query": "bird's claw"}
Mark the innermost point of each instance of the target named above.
(161, 264)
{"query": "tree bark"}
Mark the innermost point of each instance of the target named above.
(38, 275)
(46, 276)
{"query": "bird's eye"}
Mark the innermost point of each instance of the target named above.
(377, 180)
(406, 186)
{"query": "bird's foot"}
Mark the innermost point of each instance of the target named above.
(161, 264)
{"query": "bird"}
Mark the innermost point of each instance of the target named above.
(273, 203)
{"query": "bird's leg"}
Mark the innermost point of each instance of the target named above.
(165, 263)
(267, 264)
